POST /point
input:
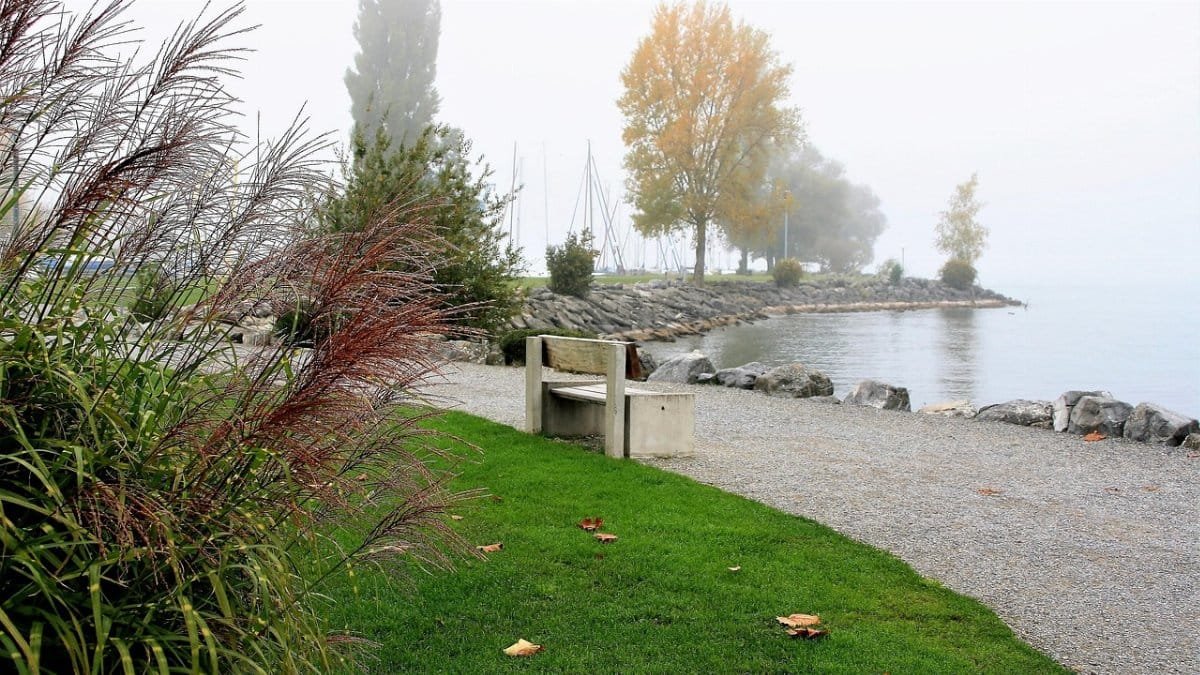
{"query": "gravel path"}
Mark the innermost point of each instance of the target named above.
(1090, 551)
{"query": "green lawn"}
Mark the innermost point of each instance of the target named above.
(661, 598)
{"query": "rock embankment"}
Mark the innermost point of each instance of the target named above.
(661, 310)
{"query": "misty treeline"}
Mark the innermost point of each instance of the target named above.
(808, 204)
(398, 147)
(710, 141)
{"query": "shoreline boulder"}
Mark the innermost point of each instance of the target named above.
(1065, 403)
(741, 377)
(682, 369)
(949, 409)
(795, 380)
(878, 395)
(1020, 411)
(1099, 414)
(1150, 423)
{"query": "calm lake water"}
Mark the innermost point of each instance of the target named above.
(1141, 344)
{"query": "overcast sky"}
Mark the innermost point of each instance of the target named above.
(1082, 119)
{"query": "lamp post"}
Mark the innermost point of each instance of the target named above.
(787, 206)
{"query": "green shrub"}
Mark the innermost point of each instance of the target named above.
(512, 343)
(302, 327)
(958, 274)
(161, 505)
(787, 272)
(571, 265)
(476, 271)
(891, 270)
(154, 294)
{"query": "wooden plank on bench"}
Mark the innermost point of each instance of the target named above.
(580, 355)
(596, 393)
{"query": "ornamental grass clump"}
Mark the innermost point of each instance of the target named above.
(157, 496)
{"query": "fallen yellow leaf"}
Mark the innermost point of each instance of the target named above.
(1094, 436)
(605, 538)
(798, 620)
(591, 524)
(491, 548)
(456, 517)
(735, 568)
(807, 633)
(523, 647)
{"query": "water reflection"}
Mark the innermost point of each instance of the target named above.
(959, 347)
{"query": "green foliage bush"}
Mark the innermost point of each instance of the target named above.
(154, 294)
(891, 270)
(161, 505)
(512, 343)
(476, 267)
(787, 272)
(958, 274)
(571, 265)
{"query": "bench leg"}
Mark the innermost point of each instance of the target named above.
(533, 384)
(614, 408)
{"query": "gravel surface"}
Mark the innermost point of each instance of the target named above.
(1090, 551)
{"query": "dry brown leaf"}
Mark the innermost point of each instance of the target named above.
(591, 524)
(605, 538)
(735, 568)
(798, 620)
(491, 548)
(456, 517)
(989, 492)
(361, 477)
(523, 647)
(807, 633)
(1094, 436)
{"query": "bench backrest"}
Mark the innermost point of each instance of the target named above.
(589, 357)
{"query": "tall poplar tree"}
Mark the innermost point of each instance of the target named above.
(391, 83)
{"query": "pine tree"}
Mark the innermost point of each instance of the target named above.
(391, 84)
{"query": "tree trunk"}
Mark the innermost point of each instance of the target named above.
(744, 263)
(701, 241)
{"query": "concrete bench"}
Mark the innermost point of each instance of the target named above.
(634, 422)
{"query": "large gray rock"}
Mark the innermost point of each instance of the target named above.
(1192, 442)
(794, 380)
(682, 369)
(1151, 423)
(649, 364)
(878, 395)
(1099, 414)
(742, 377)
(1020, 411)
(1063, 405)
(950, 409)
(464, 351)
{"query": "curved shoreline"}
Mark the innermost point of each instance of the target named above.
(671, 331)
(661, 310)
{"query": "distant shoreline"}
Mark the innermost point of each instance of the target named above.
(662, 310)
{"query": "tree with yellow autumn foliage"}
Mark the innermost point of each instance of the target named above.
(703, 107)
